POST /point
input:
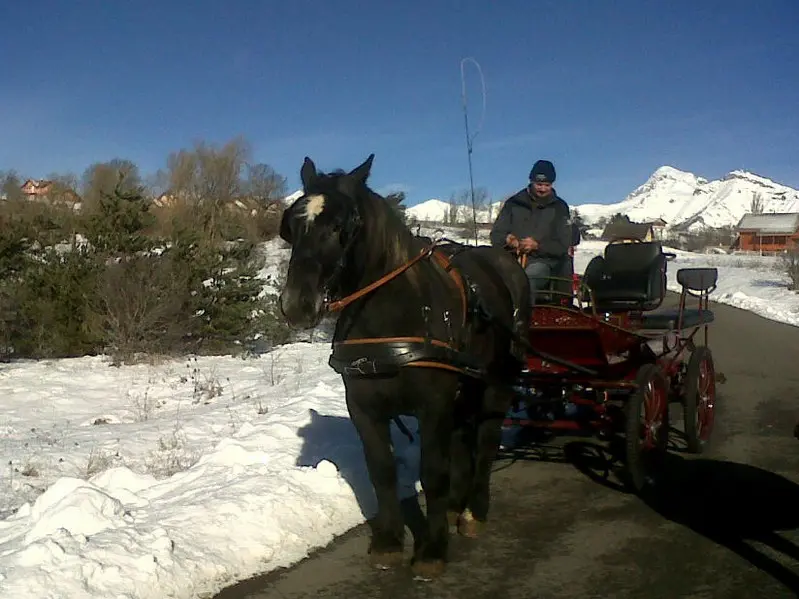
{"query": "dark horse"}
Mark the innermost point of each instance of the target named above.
(425, 329)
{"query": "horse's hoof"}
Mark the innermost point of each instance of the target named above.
(472, 529)
(469, 526)
(427, 570)
(386, 560)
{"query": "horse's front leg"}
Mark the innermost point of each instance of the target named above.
(435, 427)
(388, 529)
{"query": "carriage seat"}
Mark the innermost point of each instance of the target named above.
(629, 276)
(696, 281)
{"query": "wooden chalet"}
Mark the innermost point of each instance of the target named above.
(42, 190)
(35, 188)
(776, 232)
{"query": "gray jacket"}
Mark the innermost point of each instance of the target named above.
(547, 220)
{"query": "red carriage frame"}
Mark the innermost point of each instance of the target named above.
(615, 373)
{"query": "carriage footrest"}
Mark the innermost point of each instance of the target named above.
(669, 319)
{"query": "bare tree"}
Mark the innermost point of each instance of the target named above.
(460, 206)
(208, 178)
(157, 183)
(791, 264)
(757, 205)
(11, 186)
(65, 180)
(264, 184)
(102, 178)
(208, 173)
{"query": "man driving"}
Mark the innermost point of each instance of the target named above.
(535, 222)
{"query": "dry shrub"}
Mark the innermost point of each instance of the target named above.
(791, 265)
(140, 302)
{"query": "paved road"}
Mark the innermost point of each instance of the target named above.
(728, 529)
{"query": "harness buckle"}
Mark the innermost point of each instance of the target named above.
(448, 324)
(361, 366)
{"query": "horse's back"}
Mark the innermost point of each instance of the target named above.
(500, 280)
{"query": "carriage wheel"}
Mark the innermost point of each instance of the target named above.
(700, 399)
(647, 426)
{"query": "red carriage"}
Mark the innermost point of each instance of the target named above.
(607, 358)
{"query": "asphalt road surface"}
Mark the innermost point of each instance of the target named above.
(727, 527)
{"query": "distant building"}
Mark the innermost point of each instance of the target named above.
(658, 227)
(49, 192)
(768, 232)
(621, 229)
(34, 188)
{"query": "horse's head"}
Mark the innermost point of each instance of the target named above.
(321, 226)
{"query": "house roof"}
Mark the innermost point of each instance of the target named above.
(625, 229)
(32, 187)
(783, 222)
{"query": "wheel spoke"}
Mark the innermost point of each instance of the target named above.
(705, 399)
(647, 424)
(652, 415)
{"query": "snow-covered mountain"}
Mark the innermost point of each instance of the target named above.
(688, 202)
(684, 200)
(439, 211)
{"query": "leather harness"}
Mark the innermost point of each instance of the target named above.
(375, 356)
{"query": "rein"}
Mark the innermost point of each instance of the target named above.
(426, 252)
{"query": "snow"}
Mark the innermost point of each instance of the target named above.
(438, 211)
(682, 199)
(180, 477)
(692, 202)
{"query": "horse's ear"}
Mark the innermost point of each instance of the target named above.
(308, 172)
(361, 173)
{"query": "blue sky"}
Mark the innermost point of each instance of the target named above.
(609, 91)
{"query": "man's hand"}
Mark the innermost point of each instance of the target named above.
(527, 245)
(512, 241)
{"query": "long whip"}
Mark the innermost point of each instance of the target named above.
(470, 138)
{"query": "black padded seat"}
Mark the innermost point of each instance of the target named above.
(630, 276)
(667, 320)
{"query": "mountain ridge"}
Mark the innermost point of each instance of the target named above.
(684, 200)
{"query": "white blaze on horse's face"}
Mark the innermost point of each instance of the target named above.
(313, 208)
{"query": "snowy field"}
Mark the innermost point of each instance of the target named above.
(178, 478)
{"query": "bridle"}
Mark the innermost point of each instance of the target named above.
(352, 231)
(331, 281)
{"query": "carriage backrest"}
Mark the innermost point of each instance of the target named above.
(629, 276)
(701, 280)
(632, 257)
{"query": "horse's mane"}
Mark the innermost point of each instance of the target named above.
(390, 241)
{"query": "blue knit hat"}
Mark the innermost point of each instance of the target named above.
(543, 172)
